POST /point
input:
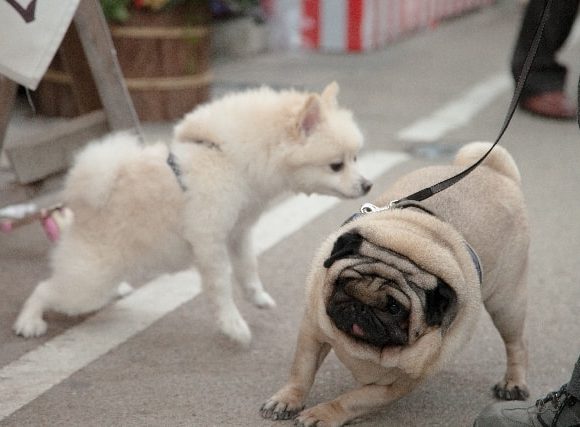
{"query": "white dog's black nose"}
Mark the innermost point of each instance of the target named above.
(366, 186)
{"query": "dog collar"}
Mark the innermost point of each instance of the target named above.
(393, 204)
(403, 204)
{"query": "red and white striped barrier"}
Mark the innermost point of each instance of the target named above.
(359, 25)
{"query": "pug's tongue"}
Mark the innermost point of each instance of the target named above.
(357, 330)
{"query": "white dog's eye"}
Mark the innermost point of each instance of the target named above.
(337, 167)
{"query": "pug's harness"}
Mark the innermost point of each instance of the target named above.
(403, 204)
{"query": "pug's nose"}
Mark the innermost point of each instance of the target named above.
(366, 186)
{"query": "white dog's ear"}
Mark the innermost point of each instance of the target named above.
(330, 93)
(310, 116)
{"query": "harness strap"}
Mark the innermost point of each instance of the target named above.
(411, 204)
(476, 262)
(172, 162)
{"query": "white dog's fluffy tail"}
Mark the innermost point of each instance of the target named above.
(499, 159)
(96, 168)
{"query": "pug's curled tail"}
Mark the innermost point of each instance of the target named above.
(499, 159)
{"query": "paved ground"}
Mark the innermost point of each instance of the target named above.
(156, 359)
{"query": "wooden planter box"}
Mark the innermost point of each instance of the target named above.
(165, 60)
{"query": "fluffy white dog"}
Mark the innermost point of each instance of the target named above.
(158, 208)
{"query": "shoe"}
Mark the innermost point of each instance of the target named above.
(558, 408)
(552, 105)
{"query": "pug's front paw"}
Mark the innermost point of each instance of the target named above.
(506, 390)
(284, 405)
(328, 414)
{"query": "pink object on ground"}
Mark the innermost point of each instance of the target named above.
(6, 226)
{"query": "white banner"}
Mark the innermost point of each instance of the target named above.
(30, 33)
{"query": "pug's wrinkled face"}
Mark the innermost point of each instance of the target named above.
(376, 292)
(378, 319)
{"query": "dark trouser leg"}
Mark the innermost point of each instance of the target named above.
(574, 384)
(546, 73)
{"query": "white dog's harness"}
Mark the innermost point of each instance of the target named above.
(172, 161)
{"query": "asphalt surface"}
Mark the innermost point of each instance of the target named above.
(179, 371)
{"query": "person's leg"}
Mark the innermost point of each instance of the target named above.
(546, 74)
(578, 103)
(574, 384)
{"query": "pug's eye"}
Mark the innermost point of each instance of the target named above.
(393, 306)
(337, 167)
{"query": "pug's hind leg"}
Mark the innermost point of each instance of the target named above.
(289, 400)
(509, 320)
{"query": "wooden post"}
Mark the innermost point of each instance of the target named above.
(102, 58)
(74, 61)
(7, 97)
(35, 158)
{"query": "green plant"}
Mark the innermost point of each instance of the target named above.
(120, 10)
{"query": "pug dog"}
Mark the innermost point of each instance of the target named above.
(397, 292)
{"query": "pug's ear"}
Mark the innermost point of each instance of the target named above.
(310, 116)
(438, 303)
(346, 245)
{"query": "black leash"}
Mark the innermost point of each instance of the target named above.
(425, 193)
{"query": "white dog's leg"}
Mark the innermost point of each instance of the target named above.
(245, 267)
(81, 283)
(214, 267)
(29, 322)
(124, 289)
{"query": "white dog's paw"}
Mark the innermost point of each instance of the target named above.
(124, 289)
(235, 327)
(29, 327)
(263, 299)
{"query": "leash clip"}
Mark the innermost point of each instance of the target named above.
(369, 207)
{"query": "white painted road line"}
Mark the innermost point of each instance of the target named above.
(42, 368)
(456, 113)
(38, 370)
